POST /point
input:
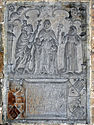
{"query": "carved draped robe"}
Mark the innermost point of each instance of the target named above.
(23, 52)
(73, 54)
(21, 55)
(48, 62)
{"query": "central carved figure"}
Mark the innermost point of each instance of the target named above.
(48, 49)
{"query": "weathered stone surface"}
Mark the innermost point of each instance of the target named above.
(1, 65)
(92, 62)
(1, 48)
(0, 95)
(1, 14)
(1, 52)
(1, 71)
(47, 54)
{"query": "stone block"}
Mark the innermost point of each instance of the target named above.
(47, 60)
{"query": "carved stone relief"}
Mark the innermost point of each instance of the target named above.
(47, 54)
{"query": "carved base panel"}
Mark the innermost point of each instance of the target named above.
(47, 60)
(56, 101)
(46, 101)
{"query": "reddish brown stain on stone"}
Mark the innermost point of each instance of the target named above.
(1, 62)
(19, 99)
(16, 102)
(11, 98)
(14, 112)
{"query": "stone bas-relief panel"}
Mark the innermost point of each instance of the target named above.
(47, 55)
(56, 100)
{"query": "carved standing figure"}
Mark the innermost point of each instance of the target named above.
(21, 51)
(49, 49)
(73, 51)
(23, 46)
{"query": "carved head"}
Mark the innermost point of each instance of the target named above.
(47, 24)
(74, 11)
(72, 30)
(30, 28)
(25, 22)
(23, 31)
(38, 42)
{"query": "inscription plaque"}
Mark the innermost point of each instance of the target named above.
(47, 55)
(47, 100)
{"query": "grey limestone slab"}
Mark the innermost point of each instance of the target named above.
(47, 53)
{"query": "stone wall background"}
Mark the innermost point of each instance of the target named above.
(2, 6)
